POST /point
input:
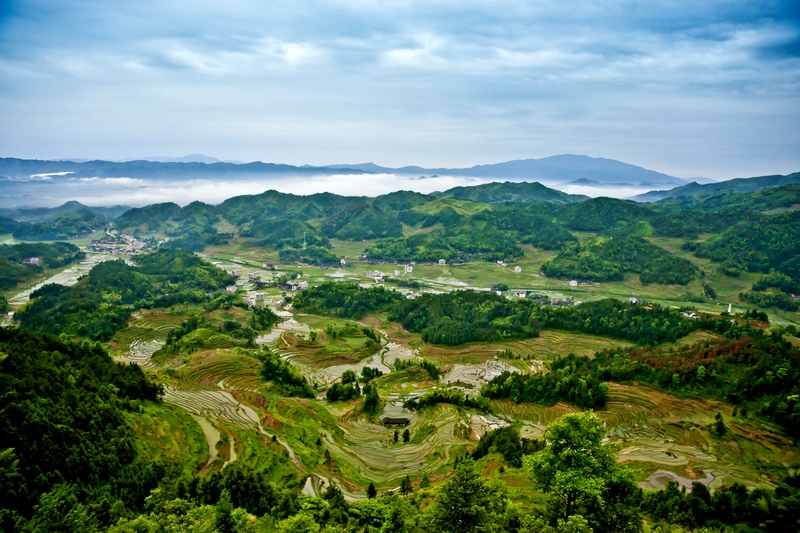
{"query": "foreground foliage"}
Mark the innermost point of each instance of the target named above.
(65, 441)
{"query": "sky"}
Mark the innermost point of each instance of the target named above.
(687, 88)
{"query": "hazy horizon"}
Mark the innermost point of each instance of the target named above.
(706, 89)
(137, 192)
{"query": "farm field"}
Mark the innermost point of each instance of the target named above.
(484, 275)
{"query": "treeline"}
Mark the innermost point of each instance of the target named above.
(570, 380)
(67, 452)
(15, 270)
(287, 379)
(433, 371)
(347, 300)
(507, 442)
(100, 304)
(646, 324)
(459, 317)
(607, 259)
(732, 505)
(465, 316)
(449, 396)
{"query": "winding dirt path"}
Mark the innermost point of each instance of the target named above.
(658, 480)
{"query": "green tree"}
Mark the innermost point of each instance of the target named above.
(467, 502)
(425, 482)
(395, 435)
(582, 477)
(719, 425)
(406, 487)
(224, 522)
(371, 491)
(406, 436)
(299, 523)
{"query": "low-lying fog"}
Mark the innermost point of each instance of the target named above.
(51, 191)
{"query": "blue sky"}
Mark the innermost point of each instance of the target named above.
(688, 88)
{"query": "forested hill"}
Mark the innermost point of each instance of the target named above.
(38, 214)
(519, 192)
(735, 185)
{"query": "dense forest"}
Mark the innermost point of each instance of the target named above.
(68, 456)
(459, 317)
(607, 259)
(347, 300)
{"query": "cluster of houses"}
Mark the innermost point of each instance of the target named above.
(120, 244)
(553, 302)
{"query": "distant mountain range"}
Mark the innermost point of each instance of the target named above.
(13, 169)
(555, 169)
(552, 170)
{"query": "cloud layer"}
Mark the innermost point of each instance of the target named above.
(687, 88)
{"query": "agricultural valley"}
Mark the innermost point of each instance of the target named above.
(326, 363)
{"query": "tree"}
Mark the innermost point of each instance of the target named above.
(372, 402)
(395, 435)
(224, 522)
(719, 425)
(371, 491)
(406, 436)
(467, 502)
(406, 487)
(582, 477)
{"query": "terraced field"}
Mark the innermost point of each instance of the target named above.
(146, 333)
(366, 451)
(657, 431)
(223, 369)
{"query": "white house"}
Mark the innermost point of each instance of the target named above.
(236, 272)
(442, 262)
(230, 288)
(409, 269)
(297, 285)
(342, 262)
(573, 283)
(517, 269)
